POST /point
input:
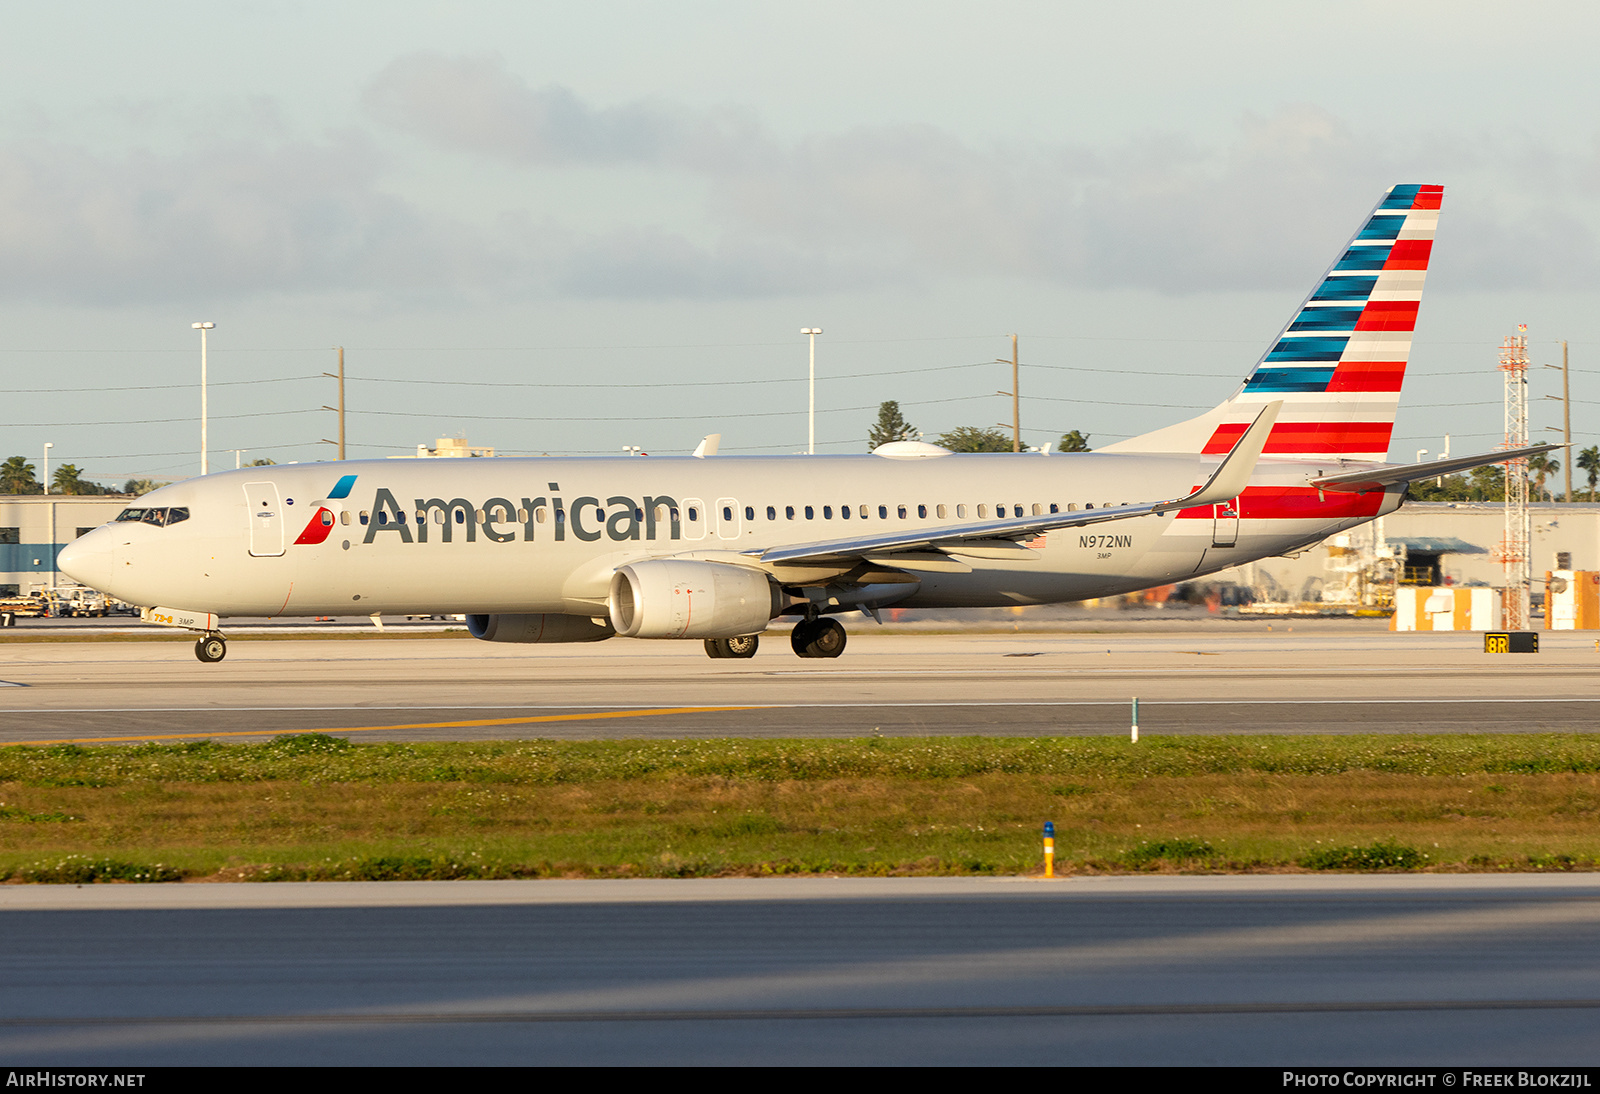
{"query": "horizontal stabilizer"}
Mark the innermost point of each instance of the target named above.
(1381, 475)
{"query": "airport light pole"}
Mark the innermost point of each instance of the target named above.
(205, 464)
(811, 418)
(48, 445)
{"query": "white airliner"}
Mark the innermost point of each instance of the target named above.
(715, 548)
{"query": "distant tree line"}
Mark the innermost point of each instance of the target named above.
(18, 476)
(891, 426)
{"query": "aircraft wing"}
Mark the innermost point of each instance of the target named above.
(1377, 476)
(1225, 484)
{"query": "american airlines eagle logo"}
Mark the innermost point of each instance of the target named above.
(322, 521)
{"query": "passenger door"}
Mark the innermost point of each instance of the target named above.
(266, 519)
(1225, 529)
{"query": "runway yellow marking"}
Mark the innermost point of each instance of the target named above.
(593, 716)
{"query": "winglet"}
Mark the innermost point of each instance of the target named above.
(709, 446)
(1230, 479)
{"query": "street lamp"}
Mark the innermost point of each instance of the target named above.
(811, 445)
(204, 448)
(48, 445)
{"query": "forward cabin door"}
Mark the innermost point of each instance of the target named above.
(266, 519)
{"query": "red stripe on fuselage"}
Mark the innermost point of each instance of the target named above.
(1295, 503)
(1332, 438)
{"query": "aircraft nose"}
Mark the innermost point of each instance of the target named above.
(87, 559)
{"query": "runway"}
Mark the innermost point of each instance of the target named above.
(1210, 680)
(1458, 971)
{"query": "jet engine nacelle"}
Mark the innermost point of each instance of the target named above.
(538, 628)
(683, 598)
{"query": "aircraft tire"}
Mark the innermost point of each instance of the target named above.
(211, 649)
(818, 638)
(745, 645)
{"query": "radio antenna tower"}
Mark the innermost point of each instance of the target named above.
(1513, 549)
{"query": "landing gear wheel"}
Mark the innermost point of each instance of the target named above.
(818, 638)
(211, 649)
(745, 645)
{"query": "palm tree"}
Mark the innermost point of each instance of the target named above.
(68, 479)
(16, 477)
(1589, 460)
(1541, 466)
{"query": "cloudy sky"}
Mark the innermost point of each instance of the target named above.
(570, 227)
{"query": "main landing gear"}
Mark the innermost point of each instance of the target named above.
(818, 638)
(745, 645)
(211, 648)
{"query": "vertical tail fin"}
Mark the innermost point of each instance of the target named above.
(1339, 362)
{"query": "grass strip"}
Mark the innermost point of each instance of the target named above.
(312, 806)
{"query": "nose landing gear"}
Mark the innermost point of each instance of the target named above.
(818, 638)
(211, 648)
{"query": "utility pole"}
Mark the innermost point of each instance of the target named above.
(1566, 421)
(340, 408)
(1016, 398)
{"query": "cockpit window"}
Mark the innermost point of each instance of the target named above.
(160, 517)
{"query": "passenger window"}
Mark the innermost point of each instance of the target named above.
(844, 511)
(727, 513)
(827, 512)
(922, 511)
(364, 516)
(1054, 508)
(1038, 510)
(638, 516)
(561, 516)
(883, 512)
(983, 511)
(538, 515)
(901, 510)
(772, 512)
(344, 516)
(810, 514)
(461, 516)
(422, 516)
(942, 511)
(383, 516)
(1088, 505)
(788, 511)
(661, 514)
(675, 515)
(863, 512)
(522, 516)
(749, 512)
(478, 515)
(694, 514)
(961, 512)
